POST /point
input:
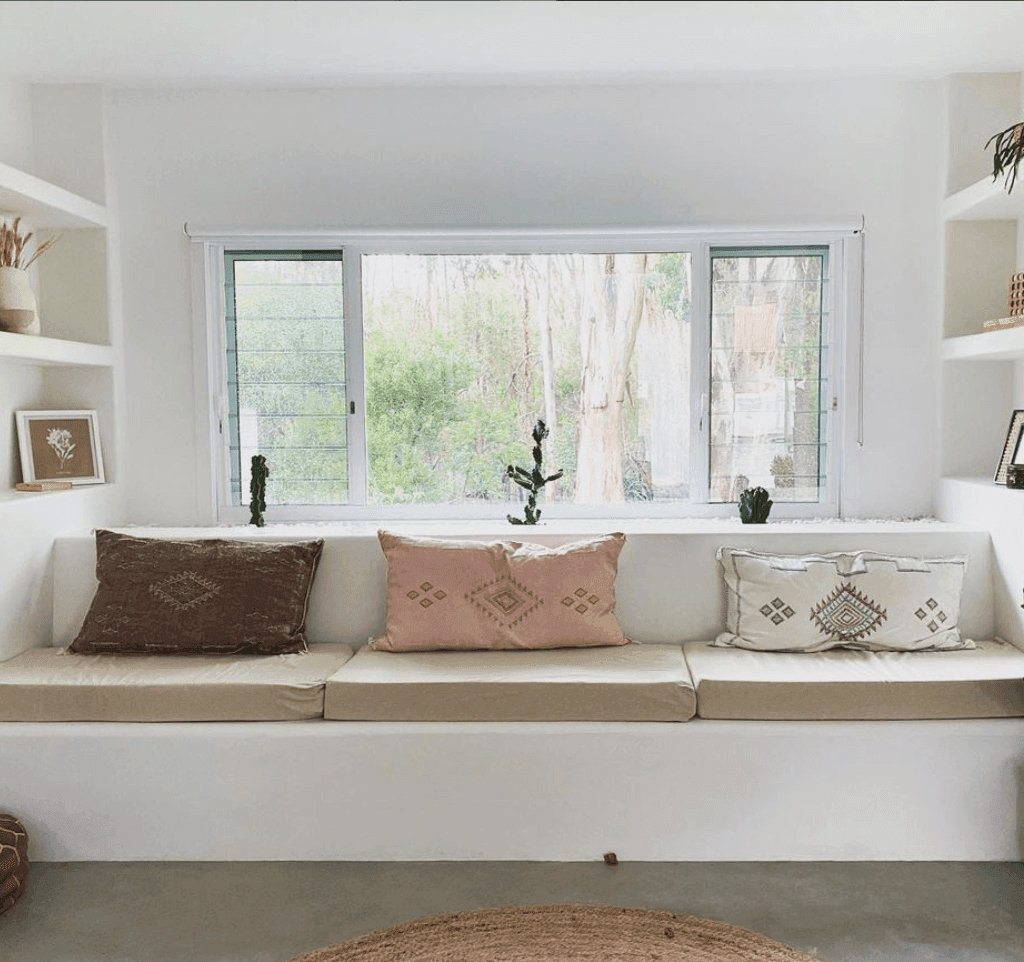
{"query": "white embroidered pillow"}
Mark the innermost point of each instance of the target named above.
(861, 599)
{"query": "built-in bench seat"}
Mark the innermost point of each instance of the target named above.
(634, 683)
(639, 683)
(983, 682)
(48, 684)
(568, 785)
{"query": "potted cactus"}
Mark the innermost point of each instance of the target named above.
(533, 480)
(755, 505)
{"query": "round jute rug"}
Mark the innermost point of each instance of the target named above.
(560, 933)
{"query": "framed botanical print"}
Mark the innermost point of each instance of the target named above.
(60, 446)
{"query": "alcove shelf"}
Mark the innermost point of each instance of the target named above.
(1005, 345)
(985, 199)
(74, 364)
(45, 205)
(53, 351)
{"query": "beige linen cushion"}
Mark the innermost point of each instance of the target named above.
(46, 684)
(160, 596)
(500, 594)
(633, 682)
(861, 600)
(986, 681)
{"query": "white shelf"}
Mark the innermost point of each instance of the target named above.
(986, 200)
(985, 484)
(980, 502)
(74, 504)
(46, 205)
(51, 351)
(1006, 345)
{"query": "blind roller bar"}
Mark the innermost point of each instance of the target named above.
(225, 234)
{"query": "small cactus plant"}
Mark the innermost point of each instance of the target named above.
(258, 490)
(755, 505)
(533, 480)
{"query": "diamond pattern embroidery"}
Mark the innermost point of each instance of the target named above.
(847, 614)
(185, 591)
(930, 609)
(777, 611)
(425, 599)
(582, 601)
(505, 601)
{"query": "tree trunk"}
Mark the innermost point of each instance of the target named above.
(612, 309)
(547, 351)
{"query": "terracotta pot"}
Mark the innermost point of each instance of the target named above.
(17, 302)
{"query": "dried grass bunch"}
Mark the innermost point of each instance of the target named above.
(14, 246)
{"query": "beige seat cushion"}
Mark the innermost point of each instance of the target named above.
(984, 682)
(50, 684)
(629, 683)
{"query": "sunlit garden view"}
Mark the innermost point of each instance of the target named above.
(463, 353)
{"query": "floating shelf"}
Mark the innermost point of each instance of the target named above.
(30, 503)
(985, 484)
(1005, 345)
(47, 351)
(986, 199)
(45, 205)
(980, 501)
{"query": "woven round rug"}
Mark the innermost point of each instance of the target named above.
(560, 933)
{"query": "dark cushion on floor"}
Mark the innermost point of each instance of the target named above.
(14, 863)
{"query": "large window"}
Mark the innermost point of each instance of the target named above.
(769, 372)
(392, 379)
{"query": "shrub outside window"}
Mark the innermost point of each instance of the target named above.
(382, 380)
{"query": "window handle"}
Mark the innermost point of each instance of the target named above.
(703, 411)
(220, 404)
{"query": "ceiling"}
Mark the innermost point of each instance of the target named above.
(286, 42)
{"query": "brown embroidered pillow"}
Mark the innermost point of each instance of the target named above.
(500, 594)
(206, 596)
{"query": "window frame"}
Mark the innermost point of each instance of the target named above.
(840, 333)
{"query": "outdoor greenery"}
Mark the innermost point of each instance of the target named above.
(463, 354)
(767, 418)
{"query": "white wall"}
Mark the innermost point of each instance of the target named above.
(532, 157)
(16, 124)
(63, 128)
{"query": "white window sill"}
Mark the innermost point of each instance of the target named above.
(555, 528)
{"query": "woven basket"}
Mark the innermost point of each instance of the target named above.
(14, 863)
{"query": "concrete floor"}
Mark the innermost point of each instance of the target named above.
(272, 911)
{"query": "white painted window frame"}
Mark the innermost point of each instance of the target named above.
(842, 334)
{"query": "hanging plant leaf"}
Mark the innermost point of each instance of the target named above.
(1007, 154)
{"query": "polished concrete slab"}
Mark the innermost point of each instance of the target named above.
(272, 911)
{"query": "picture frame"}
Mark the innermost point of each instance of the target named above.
(1013, 449)
(60, 446)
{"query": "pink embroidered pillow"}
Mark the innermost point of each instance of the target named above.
(499, 594)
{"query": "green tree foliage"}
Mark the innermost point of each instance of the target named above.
(463, 354)
(413, 408)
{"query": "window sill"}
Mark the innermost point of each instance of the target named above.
(555, 528)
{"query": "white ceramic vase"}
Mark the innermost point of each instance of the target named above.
(17, 302)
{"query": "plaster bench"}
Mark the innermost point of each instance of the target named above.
(717, 789)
